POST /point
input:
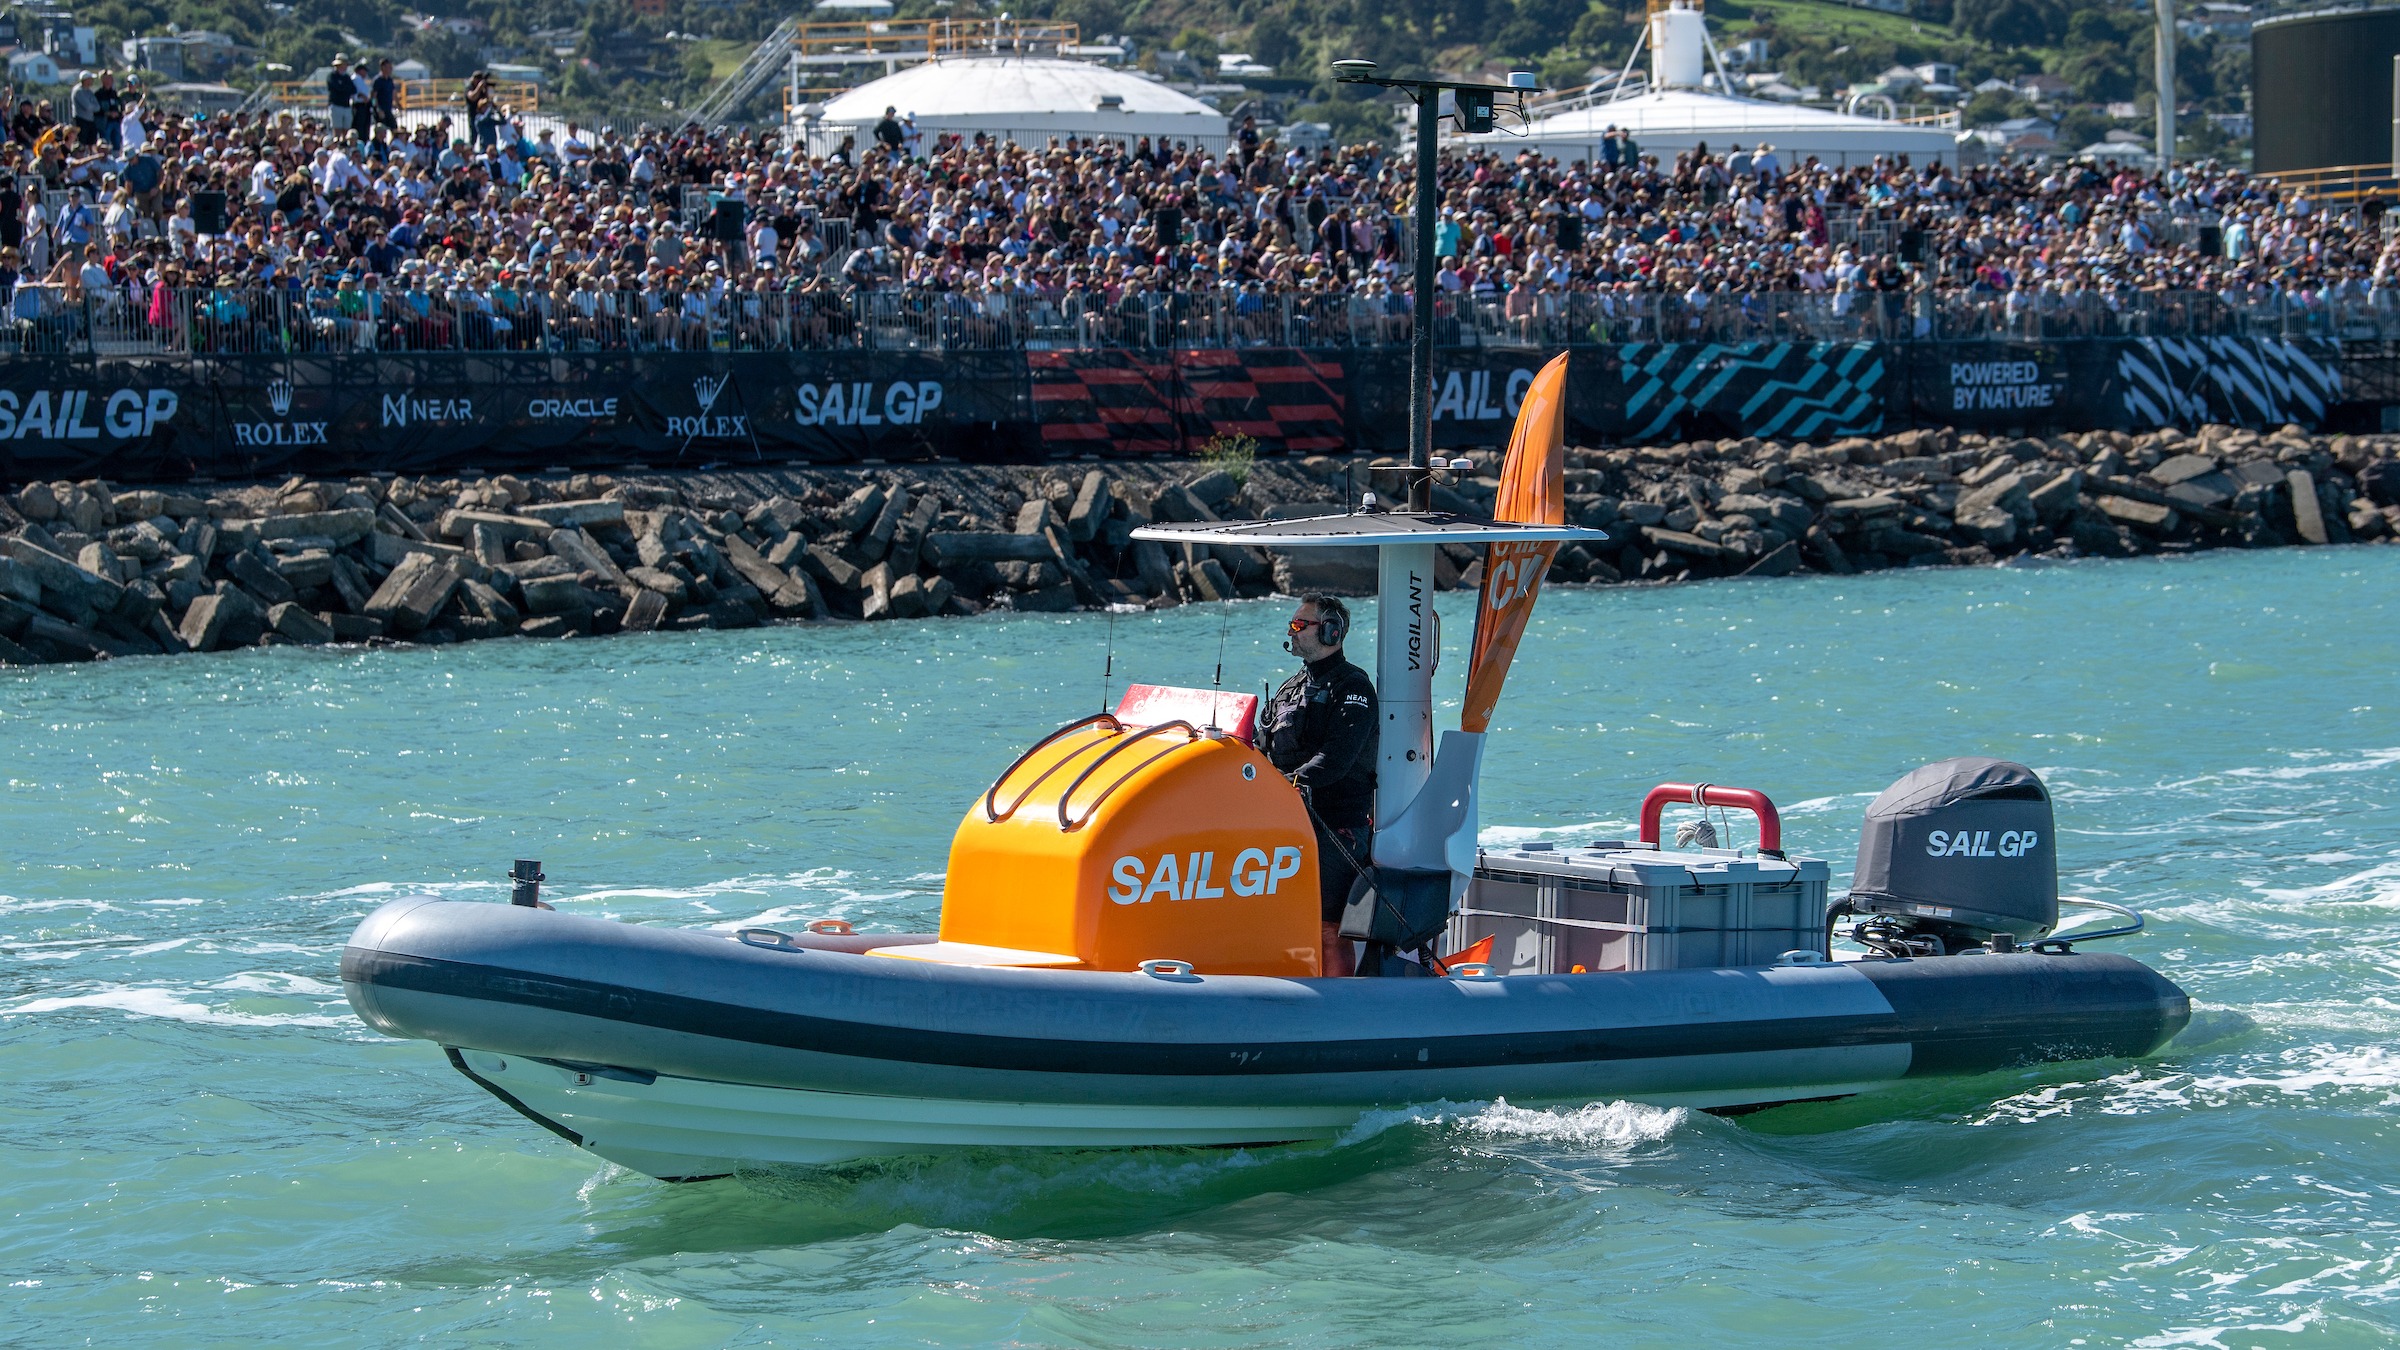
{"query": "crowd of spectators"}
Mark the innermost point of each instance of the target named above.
(354, 228)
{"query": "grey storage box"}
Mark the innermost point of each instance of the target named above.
(1617, 906)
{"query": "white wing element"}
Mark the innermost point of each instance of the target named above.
(1437, 831)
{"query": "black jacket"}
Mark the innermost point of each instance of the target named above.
(1320, 729)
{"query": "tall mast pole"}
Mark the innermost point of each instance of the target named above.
(1420, 346)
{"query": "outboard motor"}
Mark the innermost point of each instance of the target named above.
(1961, 852)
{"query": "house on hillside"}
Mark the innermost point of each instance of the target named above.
(2043, 87)
(2215, 19)
(26, 67)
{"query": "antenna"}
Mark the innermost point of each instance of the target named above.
(1217, 684)
(1108, 669)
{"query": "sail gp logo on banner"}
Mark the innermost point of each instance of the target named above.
(279, 432)
(66, 414)
(706, 391)
(856, 404)
(1467, 396)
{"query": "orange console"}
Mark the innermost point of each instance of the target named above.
(1110, 844)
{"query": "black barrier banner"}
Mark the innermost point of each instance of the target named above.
(2256, 382)
(332, 415)
(1809, 391)
(1476, 394)
(1143, 403)
(2007, 386)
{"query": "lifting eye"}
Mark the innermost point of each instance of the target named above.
(1249, 772)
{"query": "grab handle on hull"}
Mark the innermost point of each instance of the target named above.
(1770, 824)
(1472, 970)
(774, 939)
(1166, 968)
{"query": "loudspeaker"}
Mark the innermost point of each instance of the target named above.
(2212, 241)
(725, 223)
(208, 213)
(1912, 245)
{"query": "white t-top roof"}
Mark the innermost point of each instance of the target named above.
(1033, 94)
(1675, 119)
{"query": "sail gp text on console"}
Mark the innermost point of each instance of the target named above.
(854, 404)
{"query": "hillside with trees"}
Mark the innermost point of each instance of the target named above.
(635, 59)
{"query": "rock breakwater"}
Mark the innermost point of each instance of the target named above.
(91, 570)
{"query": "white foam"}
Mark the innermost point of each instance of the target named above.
(2367, 761)
(1601, 1125)
(169, 1005)
(2378, 886)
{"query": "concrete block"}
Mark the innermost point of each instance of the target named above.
(299, 625)
(342, 527)
(387, 550)
(646, 612)
(1780, 561)
(876, 582)
(562, 595)
(19, 582)
(79, 586)
(860, 508)
(459, 524)
(1093, 504)
(667, 585)
(948, 549)
(584, 553)
(484, 602)
(257, 573)
(2182, 468)
(353, 627)
(306, 569)
(771, 581)
(2148, 516)
(579, 515)
(2308, 514)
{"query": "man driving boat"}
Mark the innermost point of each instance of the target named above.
(1319, 729)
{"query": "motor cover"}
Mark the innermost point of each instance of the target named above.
(1963, 848)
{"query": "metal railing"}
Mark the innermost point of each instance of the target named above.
(411, 95)
(2340, 183)
(54, 320)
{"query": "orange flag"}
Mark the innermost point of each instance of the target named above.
(1533, 491)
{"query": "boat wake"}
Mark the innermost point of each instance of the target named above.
(1600, 1126)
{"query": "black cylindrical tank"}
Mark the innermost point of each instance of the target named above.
(2321, 89)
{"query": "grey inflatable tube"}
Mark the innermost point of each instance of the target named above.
(701, 1005)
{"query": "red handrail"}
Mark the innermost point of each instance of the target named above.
(1770, 825)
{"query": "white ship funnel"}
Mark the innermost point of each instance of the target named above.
(1678, 45)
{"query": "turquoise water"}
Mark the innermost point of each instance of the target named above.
(202, 1147)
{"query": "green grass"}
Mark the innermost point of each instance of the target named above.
(724, 55)
(1810, 16)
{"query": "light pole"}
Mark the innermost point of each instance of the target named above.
(1475, 113)
(2164, 78)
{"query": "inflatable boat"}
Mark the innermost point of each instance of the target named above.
(1129, 946)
